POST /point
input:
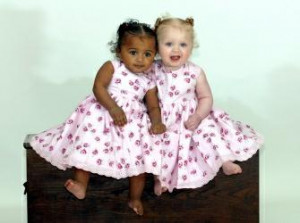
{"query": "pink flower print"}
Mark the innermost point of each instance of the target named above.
(106, 151)
(83, 151)
(118, 148)
(131, 135)
(119, 166)
(95, 152)
(123, 92)
(180, 165)
(191, 148)
(237, 133)
(93, 130)
(246, 150)
(240, 139)
(50, 148)
(193, 76)
(107, 144)
(164, 179)
(172, 87)
(127, 166)
(193, 172)
(245, 137)
(118, 81)
(167, 142)
(137, 142)
(124, 73)
(81, 110)
(187, 136)
(208, 140)
(106, 131)
(131, 83)
(90, 125)
(174, 75)
(93, 100)
(177, 92)
(70, 136)
(165, 166)
(215, 147)
(237, 152)
(161, 82)
(70, 121)
(205, 135)
(139, 157)
(204, 173)
(88, 113)
(221, 115)
(185, 162)
(63, 151)
(99, 119)
(217, 157)
(171, 94)
(49, 134)
(78, 147)
(145, 146)
(137, 163)
(170, 154)
(195, 159)
(111, 163)
(136, 88)
(154, 164)
(206, 157)
(180, 147)
(41, 140)
(184, 177)
(189, 90)
(187, 80)
(147, 152)
(123, 161)
(85, 129)
(190, 159)
(99, 161)
(98, 106)
(77, 138)
(186, 73)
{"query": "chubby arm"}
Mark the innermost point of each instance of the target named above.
(102, 81)
(205, 102)
(157, 127)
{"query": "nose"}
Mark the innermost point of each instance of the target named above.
(140, 58)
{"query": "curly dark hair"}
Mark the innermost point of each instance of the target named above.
(132, 27)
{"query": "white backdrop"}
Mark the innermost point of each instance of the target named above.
(51, 51)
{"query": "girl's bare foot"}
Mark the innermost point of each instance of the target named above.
(75, 188)
(230, 168)
(136, 206)
(158, 189)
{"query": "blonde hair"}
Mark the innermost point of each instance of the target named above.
(185, 24)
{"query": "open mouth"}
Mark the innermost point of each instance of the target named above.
(175, 58)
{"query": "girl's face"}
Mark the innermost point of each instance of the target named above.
(137, 52)
(174, 47)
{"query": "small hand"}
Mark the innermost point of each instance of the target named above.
(118, 115)
(193, 122)
(157, 128)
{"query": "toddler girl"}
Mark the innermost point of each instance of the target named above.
(199, 139)
(110, 133)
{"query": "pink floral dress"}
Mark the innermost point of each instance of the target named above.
(192, 158)
(90, 141)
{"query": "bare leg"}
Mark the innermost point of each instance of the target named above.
(78, 186)
(158, 189)
(230, 168)
(136, 188)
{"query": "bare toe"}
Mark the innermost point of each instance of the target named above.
(75, 188)
(230, 168)
(136, 206)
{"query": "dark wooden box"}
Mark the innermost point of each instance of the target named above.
(225, 199)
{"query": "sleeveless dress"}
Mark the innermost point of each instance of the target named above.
(89, 140)
(192, 158)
